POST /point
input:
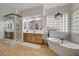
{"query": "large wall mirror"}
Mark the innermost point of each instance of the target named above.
(36, 23)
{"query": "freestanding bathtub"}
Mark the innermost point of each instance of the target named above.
(63, 49)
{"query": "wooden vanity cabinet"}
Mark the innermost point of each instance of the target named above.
(9, 35)
(33, 37)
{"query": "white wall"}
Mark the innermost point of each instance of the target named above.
(75, 37)
(24, 20)
(59, 35)
(1, 28)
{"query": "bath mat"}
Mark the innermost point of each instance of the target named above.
(31, 45)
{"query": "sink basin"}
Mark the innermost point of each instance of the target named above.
(36, 31)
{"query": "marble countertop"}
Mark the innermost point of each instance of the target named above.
(36, 31)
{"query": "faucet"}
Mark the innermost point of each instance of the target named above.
(61, 40)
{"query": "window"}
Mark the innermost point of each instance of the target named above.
(75, 22)
(59, 24)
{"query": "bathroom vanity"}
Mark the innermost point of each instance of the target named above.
(33, 37)
(9, 35)
(34, 29)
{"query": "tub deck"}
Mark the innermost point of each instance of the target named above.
(65, 48)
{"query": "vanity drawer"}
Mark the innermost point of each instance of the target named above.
(38, 36)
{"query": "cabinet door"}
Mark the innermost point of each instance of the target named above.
(32, 37)
(28, 37)
(39, 38)
(9, 35)
(24, 36)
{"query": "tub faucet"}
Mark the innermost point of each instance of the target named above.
(61, 40)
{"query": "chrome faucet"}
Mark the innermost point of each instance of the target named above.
(61, 40)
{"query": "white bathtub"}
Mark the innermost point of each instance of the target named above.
(63, 49)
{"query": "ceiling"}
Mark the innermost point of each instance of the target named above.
(6, 8)
(52, 5)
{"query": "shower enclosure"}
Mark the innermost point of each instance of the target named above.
(12, 27)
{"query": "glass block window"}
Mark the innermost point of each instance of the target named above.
(59, 24)
(75, 21)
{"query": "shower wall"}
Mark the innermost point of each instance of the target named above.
(18, 28)
(74, 35)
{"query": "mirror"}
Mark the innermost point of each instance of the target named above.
(35, 25)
